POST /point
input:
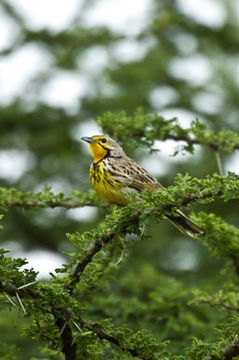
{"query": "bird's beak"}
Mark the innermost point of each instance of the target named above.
(88, 139)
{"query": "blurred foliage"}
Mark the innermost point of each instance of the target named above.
(170, 297)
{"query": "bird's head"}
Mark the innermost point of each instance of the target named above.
(102, 146)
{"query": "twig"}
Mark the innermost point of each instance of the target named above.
(194, 141)
(47, 204)
(219, 303)
(96, 247)
(102, 335)
(69, 348)
(107, 237)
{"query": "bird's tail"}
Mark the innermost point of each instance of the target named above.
(184, 224)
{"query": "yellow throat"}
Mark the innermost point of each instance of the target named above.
(97, 151)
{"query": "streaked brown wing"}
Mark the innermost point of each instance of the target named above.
(136, 176)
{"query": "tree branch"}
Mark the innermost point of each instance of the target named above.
(154, 127)
(69, 348)
(219, 303)
(49, 204)
(96, 247)
(102, 335)
(193, 141)
(133, 219)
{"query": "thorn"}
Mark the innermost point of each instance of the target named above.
(26, 285)
(20, 302)
(9, 299)
(121, 258)
(77, 326)
(73, 340)
(63, 327)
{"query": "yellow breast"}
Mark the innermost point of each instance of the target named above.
(105, 185)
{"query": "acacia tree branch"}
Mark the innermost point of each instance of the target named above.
(102, 335)
(49, 204)
(193, 141)
(63, 318)
(96, 247)
(154, 127)
(69, 347)
(219, 303)
(110, 235)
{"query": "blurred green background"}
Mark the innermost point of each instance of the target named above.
(63, 64)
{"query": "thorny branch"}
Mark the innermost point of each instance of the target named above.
(102, 335)
(49, 204)
(109, 236)
(69, 347)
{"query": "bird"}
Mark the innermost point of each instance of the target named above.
(114, 176)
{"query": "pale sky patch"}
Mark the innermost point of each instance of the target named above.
(88, 128)
(64, 89)
(207, 12)
(131, 49)
(43, 261)
(208, 103)
(85, 213)
(14, 163)
(55, 15)
(195, 69)
(184, 117)
(122, 16)
(93, 61)
(162, 96)
(8, 30)
(181, 256)
(19, 67)
(232, 163)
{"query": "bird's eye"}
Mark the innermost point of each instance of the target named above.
(103, 140)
